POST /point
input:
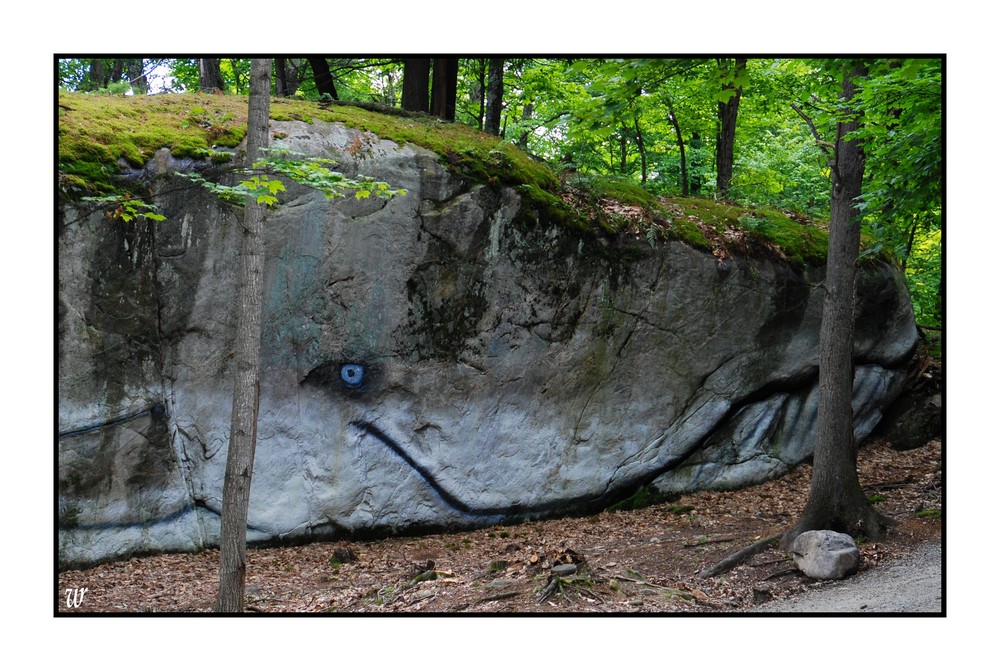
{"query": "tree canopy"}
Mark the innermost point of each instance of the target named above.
(660, 123)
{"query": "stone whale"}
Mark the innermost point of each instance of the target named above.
(443, 359)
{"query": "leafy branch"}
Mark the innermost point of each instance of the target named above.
(307, 171)
(126, 207)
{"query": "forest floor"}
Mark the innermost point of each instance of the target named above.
(636, 561)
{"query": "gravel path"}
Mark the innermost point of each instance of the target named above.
(910, 585)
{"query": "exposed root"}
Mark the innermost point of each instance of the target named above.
(734, 560)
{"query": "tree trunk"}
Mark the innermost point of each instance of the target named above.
(526, 113)
(726, 139)
(444, 88)
(136, 76)
(642, 149)
(416, 84)
(246, 392)
(323, 78)
(836, 500)
(283, 83)
(680, 143)
(623, 150)
(494, 97)
(210, 75)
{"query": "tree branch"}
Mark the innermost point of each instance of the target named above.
(823, 144)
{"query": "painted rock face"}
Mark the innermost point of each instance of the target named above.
(435, 360)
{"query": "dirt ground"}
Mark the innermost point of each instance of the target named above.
(636, 561)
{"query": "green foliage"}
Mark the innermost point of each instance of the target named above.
(307, 171)
(127, 208)
(591, 117)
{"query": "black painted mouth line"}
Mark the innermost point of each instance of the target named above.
(448, 497)
(583, 503)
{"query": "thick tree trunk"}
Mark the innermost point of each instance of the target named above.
(136, 76)
(494, 97)
(444, 88)
(246, 392)
(283, 86)
(323, 78)
(210, 75)
(836, 500)
(726, 139)
(416, 84)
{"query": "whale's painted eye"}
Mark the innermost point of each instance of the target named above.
(352, 374)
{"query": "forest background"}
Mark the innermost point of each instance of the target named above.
(754, 131)
(961, 31)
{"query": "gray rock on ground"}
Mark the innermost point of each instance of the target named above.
(826, 555)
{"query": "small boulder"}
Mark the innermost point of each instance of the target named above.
(826, 555)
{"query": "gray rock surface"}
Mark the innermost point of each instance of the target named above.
(825, 554)
(910, 585)
(442, 359)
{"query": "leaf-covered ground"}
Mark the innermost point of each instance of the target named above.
(639, 561)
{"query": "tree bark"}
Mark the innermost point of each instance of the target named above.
(444, 88)
(246, 392)
(210, 75)
(282, 88)
(416, 84)
(526, 113)
(494, 97)
(836, 500)
(680, 143)
(323, 77)
(642, 149)
(726, 140)
(136, 76)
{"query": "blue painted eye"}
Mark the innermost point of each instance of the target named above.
(352, 374)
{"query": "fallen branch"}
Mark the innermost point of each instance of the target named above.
(734, 560)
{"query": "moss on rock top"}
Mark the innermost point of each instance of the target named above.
(99, 135)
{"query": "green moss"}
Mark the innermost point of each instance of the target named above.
(706, 224)
(97, 135)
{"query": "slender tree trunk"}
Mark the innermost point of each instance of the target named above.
(444, 88)
(246, 392)
(480, 91)
(680, 143)
(494, 97)
(725, 140)
(642, 149)
(416, 84)
(210, 75)
(623, 150)
(526, 113)
(836, 500)
(323, 77)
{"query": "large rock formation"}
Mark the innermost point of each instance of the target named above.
(435, 360)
